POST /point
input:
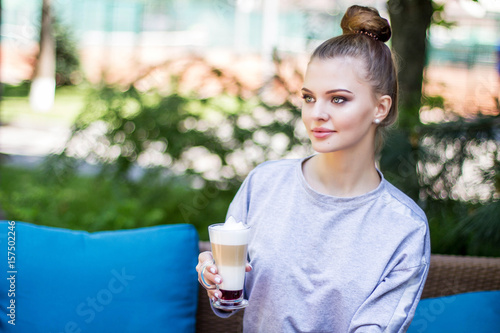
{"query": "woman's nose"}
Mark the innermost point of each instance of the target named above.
(319, 112)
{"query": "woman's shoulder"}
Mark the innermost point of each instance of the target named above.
(272, 172)
(276, 165)
(401, 203)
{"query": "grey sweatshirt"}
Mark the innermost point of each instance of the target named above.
(329, 264)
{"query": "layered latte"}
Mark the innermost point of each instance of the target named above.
(229, 248)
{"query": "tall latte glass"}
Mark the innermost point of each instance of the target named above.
(229, 243)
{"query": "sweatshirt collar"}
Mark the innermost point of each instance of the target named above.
(330, 199)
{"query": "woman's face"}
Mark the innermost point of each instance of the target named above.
(339, 106)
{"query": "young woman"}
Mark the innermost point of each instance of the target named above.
(334, 246)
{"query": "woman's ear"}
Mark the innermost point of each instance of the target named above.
(383, 107)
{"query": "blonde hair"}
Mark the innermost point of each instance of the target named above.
(364, 35)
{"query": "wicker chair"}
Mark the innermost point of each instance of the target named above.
(448, 275)
(451, 275)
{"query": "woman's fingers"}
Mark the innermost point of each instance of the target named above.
(248, 267)
(207, 274)
(214, 294)
(210, 274)
(202, 258)
(211, 277)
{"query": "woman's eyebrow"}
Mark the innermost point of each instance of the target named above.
(332, 91)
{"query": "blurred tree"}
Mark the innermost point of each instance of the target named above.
(410, 20)
(43, 83)
(1, 15)
(67, 59)
(427, 161)
(180, 121)
(218, 119)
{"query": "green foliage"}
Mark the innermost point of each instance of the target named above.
(67, 59)
(481, 230)
(443, 216)
(399, 161)
(20, 90)
(447, 147)
(193, 149)
(55, 196)
(437, 17)
(119, 128)
(433, 101)
(184, 130)
(428, 162)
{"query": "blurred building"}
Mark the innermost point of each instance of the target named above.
(120, 36)
(463, 57)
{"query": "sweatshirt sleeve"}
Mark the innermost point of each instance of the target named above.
(241, 202)
(392, 303)
(391, 306)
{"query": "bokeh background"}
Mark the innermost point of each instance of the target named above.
(124, 114)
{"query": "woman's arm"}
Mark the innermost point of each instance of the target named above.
(391, 306)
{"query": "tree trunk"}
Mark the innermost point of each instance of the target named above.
(1, 85)
(410, 20)
(44, 79)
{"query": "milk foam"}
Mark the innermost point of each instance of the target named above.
(230, 233)
(231, 224)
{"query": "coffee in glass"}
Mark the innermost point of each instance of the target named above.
(229, 243)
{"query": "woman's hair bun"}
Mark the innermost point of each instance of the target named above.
(367, 20)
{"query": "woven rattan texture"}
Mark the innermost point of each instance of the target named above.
(450, 275)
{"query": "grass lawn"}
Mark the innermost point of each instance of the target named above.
(68, 103)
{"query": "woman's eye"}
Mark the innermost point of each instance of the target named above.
(308, 99)
(338, 100)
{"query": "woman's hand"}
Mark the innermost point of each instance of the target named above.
(210, 274)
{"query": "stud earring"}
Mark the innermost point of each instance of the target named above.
(376, 121)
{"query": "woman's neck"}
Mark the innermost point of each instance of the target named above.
(341, 175)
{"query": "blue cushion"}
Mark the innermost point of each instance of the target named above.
(477, 312)
(139, 280)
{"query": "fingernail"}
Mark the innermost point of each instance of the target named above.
(213, 299)
(251, 267)
(212, 270)
(217, 295)
(217, 280)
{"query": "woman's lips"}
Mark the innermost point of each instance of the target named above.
(321, 132)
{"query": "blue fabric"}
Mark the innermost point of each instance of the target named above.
(477, 312)
(139, 280)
